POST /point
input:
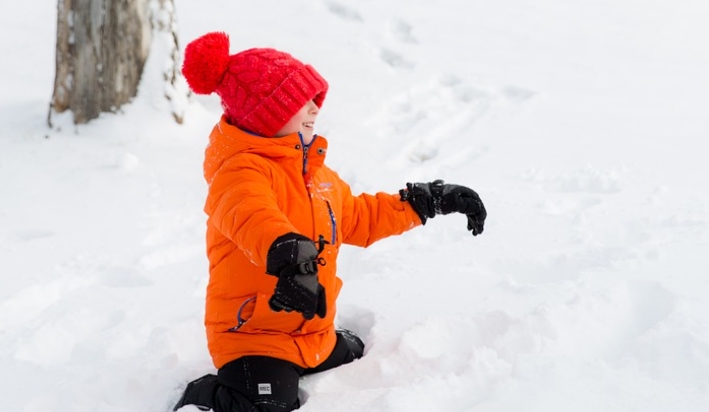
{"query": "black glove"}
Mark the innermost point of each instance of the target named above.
(437, 198)
(293, 258)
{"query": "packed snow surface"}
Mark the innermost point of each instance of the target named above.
(582, 124)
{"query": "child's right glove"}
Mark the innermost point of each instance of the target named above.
(293, 258)
(437, 198)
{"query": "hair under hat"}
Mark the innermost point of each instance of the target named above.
(260, 89)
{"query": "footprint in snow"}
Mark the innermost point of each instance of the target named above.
(395, 59)
(32, 234)
(517, 94)
(429, 114)
(401, 31)
(344, 12)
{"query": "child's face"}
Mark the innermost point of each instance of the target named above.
(302, 122)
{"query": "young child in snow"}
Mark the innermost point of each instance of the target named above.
(276, 219)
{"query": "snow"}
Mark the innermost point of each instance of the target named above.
(582, 125)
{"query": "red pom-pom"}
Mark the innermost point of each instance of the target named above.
(206, 61)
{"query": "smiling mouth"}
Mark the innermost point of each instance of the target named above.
(309, 125)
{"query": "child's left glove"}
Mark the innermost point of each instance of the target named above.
(438, 198)
(293, 258)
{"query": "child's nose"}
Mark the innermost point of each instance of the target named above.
(313, 108)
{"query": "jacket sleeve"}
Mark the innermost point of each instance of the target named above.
(241, 205)
(367, 218)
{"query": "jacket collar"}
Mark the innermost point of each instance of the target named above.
(227, 140)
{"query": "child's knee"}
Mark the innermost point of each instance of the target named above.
(230, 400)
(261, 383)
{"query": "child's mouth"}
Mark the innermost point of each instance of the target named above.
(308, 125)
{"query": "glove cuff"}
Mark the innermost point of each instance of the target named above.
(425, 198)
(405, 195)
(292, 253)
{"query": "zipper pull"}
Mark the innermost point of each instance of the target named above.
(321, 243)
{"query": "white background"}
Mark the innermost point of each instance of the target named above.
(582, 124)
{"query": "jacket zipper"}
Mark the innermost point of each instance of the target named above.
(333, 223)
(306, 147)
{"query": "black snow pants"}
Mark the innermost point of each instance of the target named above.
(261, 383)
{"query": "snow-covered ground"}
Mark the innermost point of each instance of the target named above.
(582, 124)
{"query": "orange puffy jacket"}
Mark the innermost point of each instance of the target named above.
(262, 188)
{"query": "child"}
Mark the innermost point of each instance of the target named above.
(276, 219)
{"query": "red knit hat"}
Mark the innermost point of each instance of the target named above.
(260, 89)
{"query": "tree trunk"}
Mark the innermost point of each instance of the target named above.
(102, 46)
(165, 31)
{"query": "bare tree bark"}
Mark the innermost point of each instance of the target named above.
(165, 29)
(102, 47)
